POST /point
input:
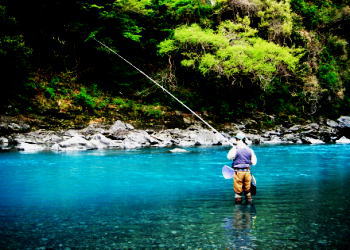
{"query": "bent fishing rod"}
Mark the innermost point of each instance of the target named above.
(164, 89)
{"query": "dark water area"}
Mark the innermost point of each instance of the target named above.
(152, 198)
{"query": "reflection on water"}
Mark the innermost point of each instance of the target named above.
(150, 198)
(239, 227)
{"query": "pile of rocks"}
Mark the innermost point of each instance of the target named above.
(124, 136)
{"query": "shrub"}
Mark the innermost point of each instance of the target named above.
(152, 111)
(85, 99)
(50, 92)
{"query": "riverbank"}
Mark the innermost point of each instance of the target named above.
(17, 136)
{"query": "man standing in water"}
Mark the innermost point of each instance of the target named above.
(243, 157)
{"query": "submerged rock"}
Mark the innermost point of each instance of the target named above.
(178, 150)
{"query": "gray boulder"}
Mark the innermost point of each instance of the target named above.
(101, 142)
(92, 129)
(5, 144)
(29, 147)
(343, 140)
(4, 141)
(332, 124)
(165, 138)
(139, 138)
(10, 127)
(186, 143)
(344, 121)
(292, 138)
(76, 143)
(273, 140)
(119, 130)
(119, 125)
(310, 140)
(204, 137)
(71, 133)
(255, 138)
(294, 128)
(327, 134)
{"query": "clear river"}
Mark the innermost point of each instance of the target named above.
(150, 198)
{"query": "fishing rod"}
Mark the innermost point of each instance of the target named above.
(164, 89)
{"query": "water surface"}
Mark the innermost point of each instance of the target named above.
(152, 198)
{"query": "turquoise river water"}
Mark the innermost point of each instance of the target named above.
(151, 198)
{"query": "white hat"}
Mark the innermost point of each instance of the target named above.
(240, 136)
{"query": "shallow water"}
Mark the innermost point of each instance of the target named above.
(151, 198)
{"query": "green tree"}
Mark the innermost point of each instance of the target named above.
(14, 56)
(233, 51)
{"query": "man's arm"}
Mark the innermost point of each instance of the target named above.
(232, 153)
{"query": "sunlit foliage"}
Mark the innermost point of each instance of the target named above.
(232, 51)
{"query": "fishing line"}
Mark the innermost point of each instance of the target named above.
(164, 89)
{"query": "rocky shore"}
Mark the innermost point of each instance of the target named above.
(16, 136)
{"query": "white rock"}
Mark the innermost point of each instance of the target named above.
(129, 126)
(274, 140)
(51, 138)
(28, 147)
(92, 129)
(130, 144)
(183, 143)
(140, 137)
(331, 123)
(343, 140)
(178, 150)
(164, 138)
(310, 140)
(56, 147)
(291, 138)
(76, 143)
(204, 137)
(72, 132)
(119, 125)
(101, 142)
(295, 128)
(344, 121)
(4, 141)
(103, 139)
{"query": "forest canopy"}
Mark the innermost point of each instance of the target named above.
(227, 57)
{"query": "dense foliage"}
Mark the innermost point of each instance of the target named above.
(231, 58)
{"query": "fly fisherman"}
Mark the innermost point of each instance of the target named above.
(243, 157)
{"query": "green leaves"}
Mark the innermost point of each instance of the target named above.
(194, 35)
(233, 50)
(125, 14)
(166, 47)
(276, 17)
